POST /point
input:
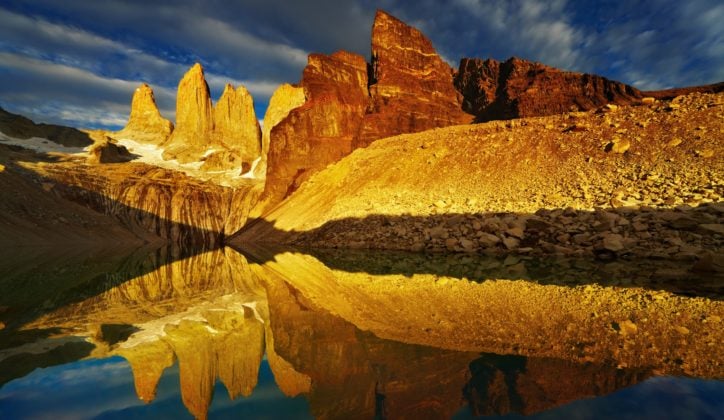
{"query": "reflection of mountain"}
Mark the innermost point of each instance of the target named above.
(360, 345)
(505, 384)
(631, 327)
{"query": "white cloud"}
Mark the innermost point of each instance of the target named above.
(540, 30)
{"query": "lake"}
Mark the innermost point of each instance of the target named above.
(286, 333)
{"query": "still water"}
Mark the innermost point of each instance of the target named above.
(164, 333)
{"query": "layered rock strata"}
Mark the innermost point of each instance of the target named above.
(411, 87)
(145, 124)
(350, 103)
(516, 88)
(283, 101)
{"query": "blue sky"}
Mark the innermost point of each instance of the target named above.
(77, 62)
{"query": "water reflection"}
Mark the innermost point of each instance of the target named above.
(350, 339)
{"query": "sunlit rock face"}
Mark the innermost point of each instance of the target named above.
(235, 128)
(519, 88)
(322, 130)
(223, 137)
(145, 123)
(194, 120)
(283, 101)
(350, 103)
(411, 87)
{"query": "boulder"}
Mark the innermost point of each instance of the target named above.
(106, 151)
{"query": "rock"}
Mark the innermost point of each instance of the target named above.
(613, 242)
(710, 263)
(145, 123)
(322, 130)
(438, 233)
(108, 152)
(17, 126)
(410, 89)
(194, 120)
(487, 240)
(682, 330)
(683, 223)
(516, 232)
(411, 86)
(511, 243)
(235, 124)
(627, 327)
(706, 153)
(618, 145)
(673, 142)
(468, 245)
(451, 243)
(229, 130)
(537, 224)
(517, 88)
(285, 98)
(709, 228)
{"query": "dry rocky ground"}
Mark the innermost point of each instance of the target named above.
(643, 181)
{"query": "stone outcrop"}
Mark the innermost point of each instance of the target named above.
(323, 129)
(106, 151)
(145, 124)
(194, 121)
(223, 137)
(350, 103)
(283, 101)
(235, 125)
(516, 88)
(411, 87)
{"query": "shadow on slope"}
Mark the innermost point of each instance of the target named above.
(662, 249)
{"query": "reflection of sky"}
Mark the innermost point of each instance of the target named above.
(656, 398)
(104, 389)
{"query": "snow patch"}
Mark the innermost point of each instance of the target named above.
(42, 145)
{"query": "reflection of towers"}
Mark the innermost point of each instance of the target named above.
(219, 343)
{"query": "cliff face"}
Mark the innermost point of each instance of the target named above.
(193, 118)
(410, 90)
(145, 123)
(322, 130)
(283, 101)
(226, 136)
(411, 87)
(235, 124)
(152, 202)
(517, 88)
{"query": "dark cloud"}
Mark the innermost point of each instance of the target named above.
(114, 44)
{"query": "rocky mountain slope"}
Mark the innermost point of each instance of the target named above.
(349, 103)
(643, 180)
(17, 126)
